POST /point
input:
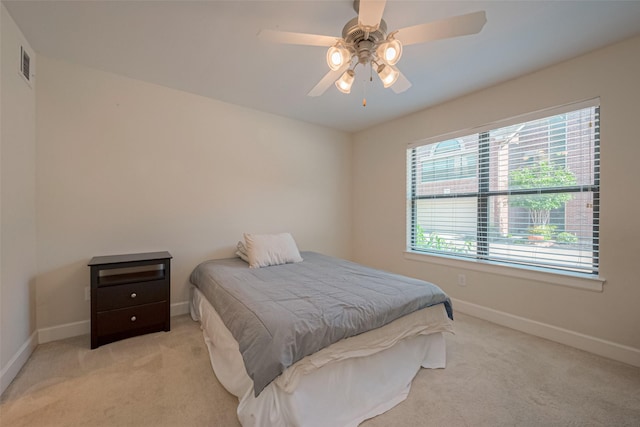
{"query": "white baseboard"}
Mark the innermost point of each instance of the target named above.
(83, 327)
(584, 342)
(60, 332)
(9, 372)
(179, 308)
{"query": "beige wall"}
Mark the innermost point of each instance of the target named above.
(17, 203)
(127, 166)
(379, 198)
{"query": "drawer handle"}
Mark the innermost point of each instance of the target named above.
(133, 318)
(133, 295)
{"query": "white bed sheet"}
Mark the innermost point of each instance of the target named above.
(341, 385)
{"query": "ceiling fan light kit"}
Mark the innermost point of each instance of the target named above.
(388, 74)
(365, 41)
(390, 50)
(345, 82)
(337, 56)
(359, 46)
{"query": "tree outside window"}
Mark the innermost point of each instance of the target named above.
(542, 174)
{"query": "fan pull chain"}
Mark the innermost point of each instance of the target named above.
(364, 93)
(364, 87)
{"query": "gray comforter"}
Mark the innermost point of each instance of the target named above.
(280, 314)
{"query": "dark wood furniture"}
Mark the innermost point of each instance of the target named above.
(130, 296)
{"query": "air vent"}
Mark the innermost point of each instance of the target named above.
(25, 64)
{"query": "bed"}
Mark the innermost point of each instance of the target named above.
(317, 342)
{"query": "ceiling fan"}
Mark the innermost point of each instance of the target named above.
(365, 41)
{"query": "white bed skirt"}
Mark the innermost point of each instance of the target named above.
(343, 385)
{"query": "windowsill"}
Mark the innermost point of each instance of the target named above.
(574, 280)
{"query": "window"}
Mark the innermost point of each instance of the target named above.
(525, 191)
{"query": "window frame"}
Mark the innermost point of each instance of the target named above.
(588, 280)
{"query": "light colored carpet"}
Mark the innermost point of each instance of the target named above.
(494, 377)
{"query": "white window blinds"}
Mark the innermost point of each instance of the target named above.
(523, 192)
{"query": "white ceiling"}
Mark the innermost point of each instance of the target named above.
(211, 48)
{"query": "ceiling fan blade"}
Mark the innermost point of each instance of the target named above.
(370, 13)
(297, 38)
(401, 84)
(327, 81)
(461, 25)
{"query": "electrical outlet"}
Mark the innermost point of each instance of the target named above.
(462, 280)
(87, 293)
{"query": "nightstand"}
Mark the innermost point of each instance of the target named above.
(130, 296)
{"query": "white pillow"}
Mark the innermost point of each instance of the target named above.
(241, 251)
(271, 249)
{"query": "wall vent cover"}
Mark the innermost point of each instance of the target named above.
(25, 64)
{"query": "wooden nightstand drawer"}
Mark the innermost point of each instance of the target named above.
(132, 318)
(122, 296)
